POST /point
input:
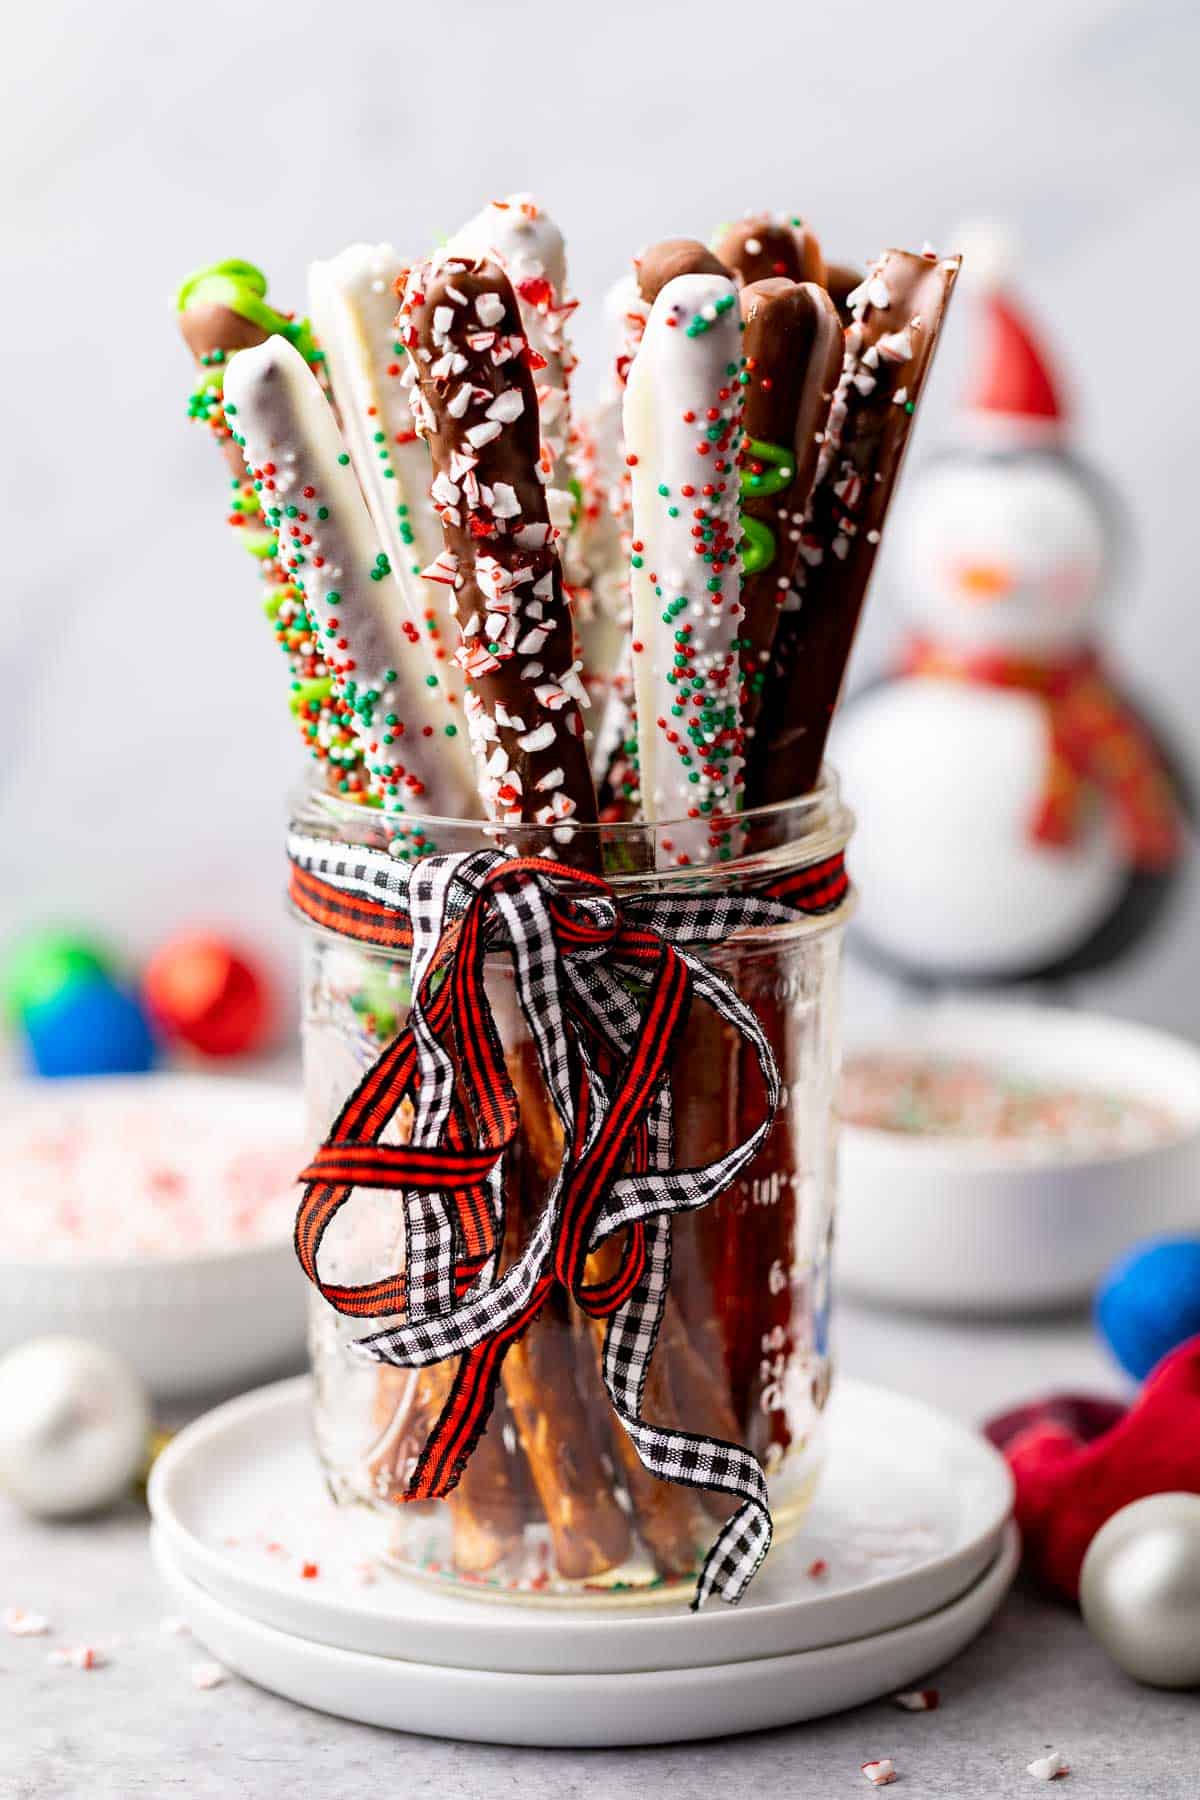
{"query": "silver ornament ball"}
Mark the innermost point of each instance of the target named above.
(74, 1426)
(1139, 1589)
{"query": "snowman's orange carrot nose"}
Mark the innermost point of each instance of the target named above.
(982, 582)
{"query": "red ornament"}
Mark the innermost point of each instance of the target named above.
(1078, 1461)
(206, 994)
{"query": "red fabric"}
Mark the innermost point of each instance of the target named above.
(1095, 742)
(1012, 376)
(1070, 1482)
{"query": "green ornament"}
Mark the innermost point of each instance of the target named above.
(41, 966)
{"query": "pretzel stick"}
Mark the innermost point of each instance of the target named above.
(898, 313)
(328, 546)
(222, 310)
(682, 425)
(555, 1406)
(353, 303)
(473, 399)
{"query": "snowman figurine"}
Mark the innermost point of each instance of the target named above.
(1016, 820)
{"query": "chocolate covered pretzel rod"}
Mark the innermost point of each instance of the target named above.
(897, 317)
(223, 310)
(793, 346)
(328, 547)
(762, 245)
(682, 425)
(473, 399)
(521, 236)
(353, 301)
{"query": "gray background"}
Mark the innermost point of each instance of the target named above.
(144, 747)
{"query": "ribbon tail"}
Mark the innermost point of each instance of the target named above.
(681, 1456)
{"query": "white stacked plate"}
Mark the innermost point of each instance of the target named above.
(904, 1557)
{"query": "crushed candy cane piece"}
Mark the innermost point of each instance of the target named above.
(1049, 1768)
(174, 1626)
(208, 1675)
(79, 1656)
(918, 1700)
(20, 1623)
(817, 1568)
(880, 1773)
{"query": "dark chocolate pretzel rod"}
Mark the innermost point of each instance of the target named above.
(473, 398)
(898, 313)
(793, 345)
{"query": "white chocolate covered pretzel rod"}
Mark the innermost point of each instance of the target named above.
(353, 301)
(328, 547)
(683, 410)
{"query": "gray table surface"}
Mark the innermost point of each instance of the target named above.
(1034, 1680)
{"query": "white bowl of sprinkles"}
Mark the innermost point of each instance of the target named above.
(153, 1214)
(998, 1157)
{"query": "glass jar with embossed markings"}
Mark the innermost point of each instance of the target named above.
(569, 1485)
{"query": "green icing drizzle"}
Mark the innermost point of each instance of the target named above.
(243, 289)
(758, 539)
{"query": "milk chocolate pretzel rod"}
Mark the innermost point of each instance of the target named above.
(682, 423)
(898, 313)
(328, 547)
(473, 400)
(761, 246)
(223, 309)
(353, 302)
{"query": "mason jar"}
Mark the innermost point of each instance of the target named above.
(554, 1502)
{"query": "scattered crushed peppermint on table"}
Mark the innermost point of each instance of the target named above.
(79, 1656)
(19, 1623)
(174, 1626)
(881, 1773)
(918, 1700)
(208, 1675)
(1049, 1768)
(91, 1180)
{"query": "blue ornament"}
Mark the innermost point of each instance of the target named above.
(92, 1027)
(1149, 1302)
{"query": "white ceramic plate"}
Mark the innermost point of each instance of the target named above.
(190, 1323)
(956, 1225)
(572, 1710)
(909, 1513)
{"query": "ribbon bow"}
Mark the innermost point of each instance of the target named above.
(604, 988)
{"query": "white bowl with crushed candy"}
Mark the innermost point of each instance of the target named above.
(997, 1157)
(153, 1213)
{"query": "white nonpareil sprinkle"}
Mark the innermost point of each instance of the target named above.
(1049, 1768)
(881, 1773)
(208, 1675)
(19, 1623)
(79, 1656)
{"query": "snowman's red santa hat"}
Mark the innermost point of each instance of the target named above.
(1013, 395)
